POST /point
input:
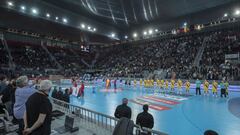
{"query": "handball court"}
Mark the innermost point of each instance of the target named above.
(173, 114)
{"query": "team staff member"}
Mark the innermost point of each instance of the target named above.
(123, 110)
(206, 86)
(214, 88)
(37, 117)
(145, 119)
(198, 85)
(187, 85)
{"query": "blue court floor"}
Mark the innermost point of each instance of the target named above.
(181, 115)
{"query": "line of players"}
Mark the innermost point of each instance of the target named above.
(164, 86)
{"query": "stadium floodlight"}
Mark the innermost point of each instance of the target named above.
(126, 37)
(94, 29)
(237, 12)
(34, 11)
(23, 8)
(113, 35)
(64, 20)
(144, 33)
(10, 3)
(89, 28)
(56, 18)
(83, 26)
(135, 35)
(225, 15)
(156, 30)
(150, 31)
(48, 15)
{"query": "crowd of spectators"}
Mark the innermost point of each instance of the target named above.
(58, 94)
(3, 56)
(213, 64)
(27, 103)
(30, 56)
(175, 53)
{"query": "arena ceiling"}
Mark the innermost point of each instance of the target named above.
(126, 13)
(121, 17)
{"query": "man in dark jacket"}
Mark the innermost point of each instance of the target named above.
(8, 96)
(145, 119)
(60, 94)
(66, 96)
(123, 110)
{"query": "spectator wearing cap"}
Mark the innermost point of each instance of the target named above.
(37, 117)
(123, 110)
(23, 92)
(145, 119)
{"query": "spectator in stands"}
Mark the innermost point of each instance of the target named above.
(22, 94)
(54, 93)
(210, 132)
(66, 95)
(123, 110)
(60, 93)
(145, 119)
(3, 85)
(8, 96)
(37, 117)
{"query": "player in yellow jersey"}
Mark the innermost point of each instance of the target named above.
(214, 88)
(172, 85)
(135, 82)
(166, 85)
(152, 82)
(179, 86)
(140, 82)
(227, 86)
(162, 83)
(187, 86)
(205, 87)
(146, 83)
(158, 82)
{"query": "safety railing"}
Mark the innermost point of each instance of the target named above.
(102, 120)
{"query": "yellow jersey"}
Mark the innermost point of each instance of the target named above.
(187, 85)
(172, 83)
(214, 86)
(206, 85)
(166, 84)
(140, 82)
(179, 84)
